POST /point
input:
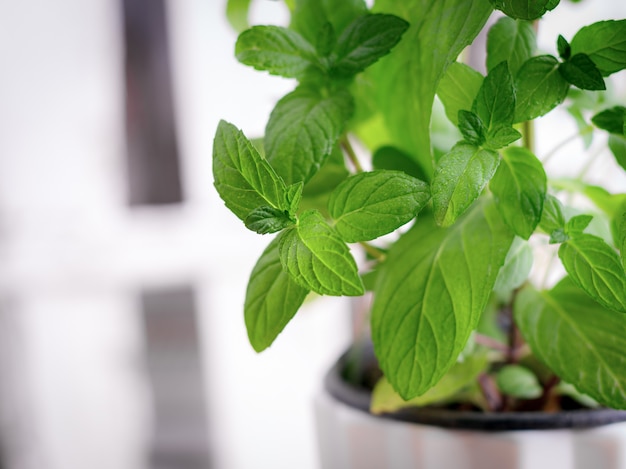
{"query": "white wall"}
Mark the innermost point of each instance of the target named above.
(74, 257)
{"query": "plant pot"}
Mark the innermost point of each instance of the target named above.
(352, 438)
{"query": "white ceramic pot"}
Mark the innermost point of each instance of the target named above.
(351, 438)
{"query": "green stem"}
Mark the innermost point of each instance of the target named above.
(528, 135)
(347, 147)
(373, 251)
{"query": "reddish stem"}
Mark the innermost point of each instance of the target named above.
(490, 342)
(491, 392)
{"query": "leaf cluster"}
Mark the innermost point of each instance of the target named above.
(455, 314)
(324, 49)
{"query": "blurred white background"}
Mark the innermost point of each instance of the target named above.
(77, 259)
(94, 372)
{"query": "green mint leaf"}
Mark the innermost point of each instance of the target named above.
(276, 50)
(501, 136)
(519, 189)
(372, 204)
(558, 236)
(364, 41)
(613, 205)
(418, 336)
(612, 120)
(303, 129)
(617, 145)
(326, 40)
(539, 88)
(317, 191)
(579, 340)
(237, 14)
(495, 101)
(567, 389)
(603, 199)
(525, 9)
(585, 101)
(565, 50)
(318, 259)
(311, 17)
(595, 267)
(510, 41)
(459, 179)
(264, 220)
(580, 71)
(243, 179)
(552, 217)
(458, 88)
(518, 381)
(330, 175)
(577, 224)
(391, 158)
(342, 14)
(605, 44)
(369, 279)
(471, 128)
(407, 79)
(272, 299)
(517, 265)
(293, 197)
(460, 376)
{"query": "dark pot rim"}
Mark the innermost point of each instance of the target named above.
(360, 398)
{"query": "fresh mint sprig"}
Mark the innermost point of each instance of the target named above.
(474, 208)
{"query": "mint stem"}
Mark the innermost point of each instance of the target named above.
(528, 136)
(490, 342)
(373, 251)
(347, 147)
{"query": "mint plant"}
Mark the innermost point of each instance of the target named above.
(449, 210)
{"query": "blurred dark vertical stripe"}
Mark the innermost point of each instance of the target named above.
(173, 359)
(154, 175)
(19, 442)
